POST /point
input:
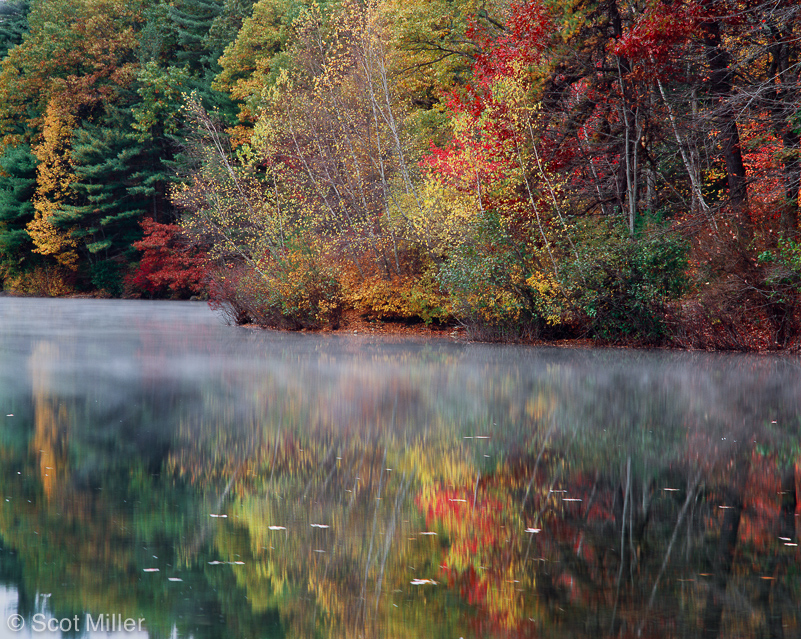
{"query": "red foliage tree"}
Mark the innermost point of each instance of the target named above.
(171, 265)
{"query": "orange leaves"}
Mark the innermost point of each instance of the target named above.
(76, 49)
(397, 298)
(761, 524)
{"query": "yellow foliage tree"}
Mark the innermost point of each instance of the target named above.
(53, 177)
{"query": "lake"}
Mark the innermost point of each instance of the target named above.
(165, 475)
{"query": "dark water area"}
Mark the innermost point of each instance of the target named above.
(165, 475)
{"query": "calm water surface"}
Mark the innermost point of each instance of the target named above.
(197, 480)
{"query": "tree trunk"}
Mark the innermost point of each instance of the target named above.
(720, 88)
(784, 104)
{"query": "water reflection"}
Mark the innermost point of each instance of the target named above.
(224, 483)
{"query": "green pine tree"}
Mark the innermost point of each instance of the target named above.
(157, 37)
(192, 20)
(17, 184)
(226, 25)
(13, 23)
(114, 189)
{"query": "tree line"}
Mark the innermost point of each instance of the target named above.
(627, 171)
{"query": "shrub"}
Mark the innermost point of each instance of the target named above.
(747, 292)
(106, 278)
(780, 287)
(498, 286)
(44, 280)
(291, 290)
(406, 298)
(620, 285)
(171, 265)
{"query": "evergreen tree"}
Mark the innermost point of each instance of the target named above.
(157, 37)
(17, 185)
(175, 61)
(113, 190)
(192, 20)
(13, 23)
(226, 26)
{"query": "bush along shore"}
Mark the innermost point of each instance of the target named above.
(624, 173)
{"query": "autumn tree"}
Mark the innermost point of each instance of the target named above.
(251, 62)
(170, 264)
(329, 156)
(50, 235)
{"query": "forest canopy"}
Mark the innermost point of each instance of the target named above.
(626, 171)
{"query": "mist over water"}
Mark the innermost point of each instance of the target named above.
(219, 481)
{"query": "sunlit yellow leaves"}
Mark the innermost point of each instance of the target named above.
(548, 289)
(50, 240)
(248, 62)
(446, 214)
(54, 176)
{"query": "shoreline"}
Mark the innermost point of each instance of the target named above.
(354, 324)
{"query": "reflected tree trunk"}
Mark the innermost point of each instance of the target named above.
(727, 543)
(777, 565)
